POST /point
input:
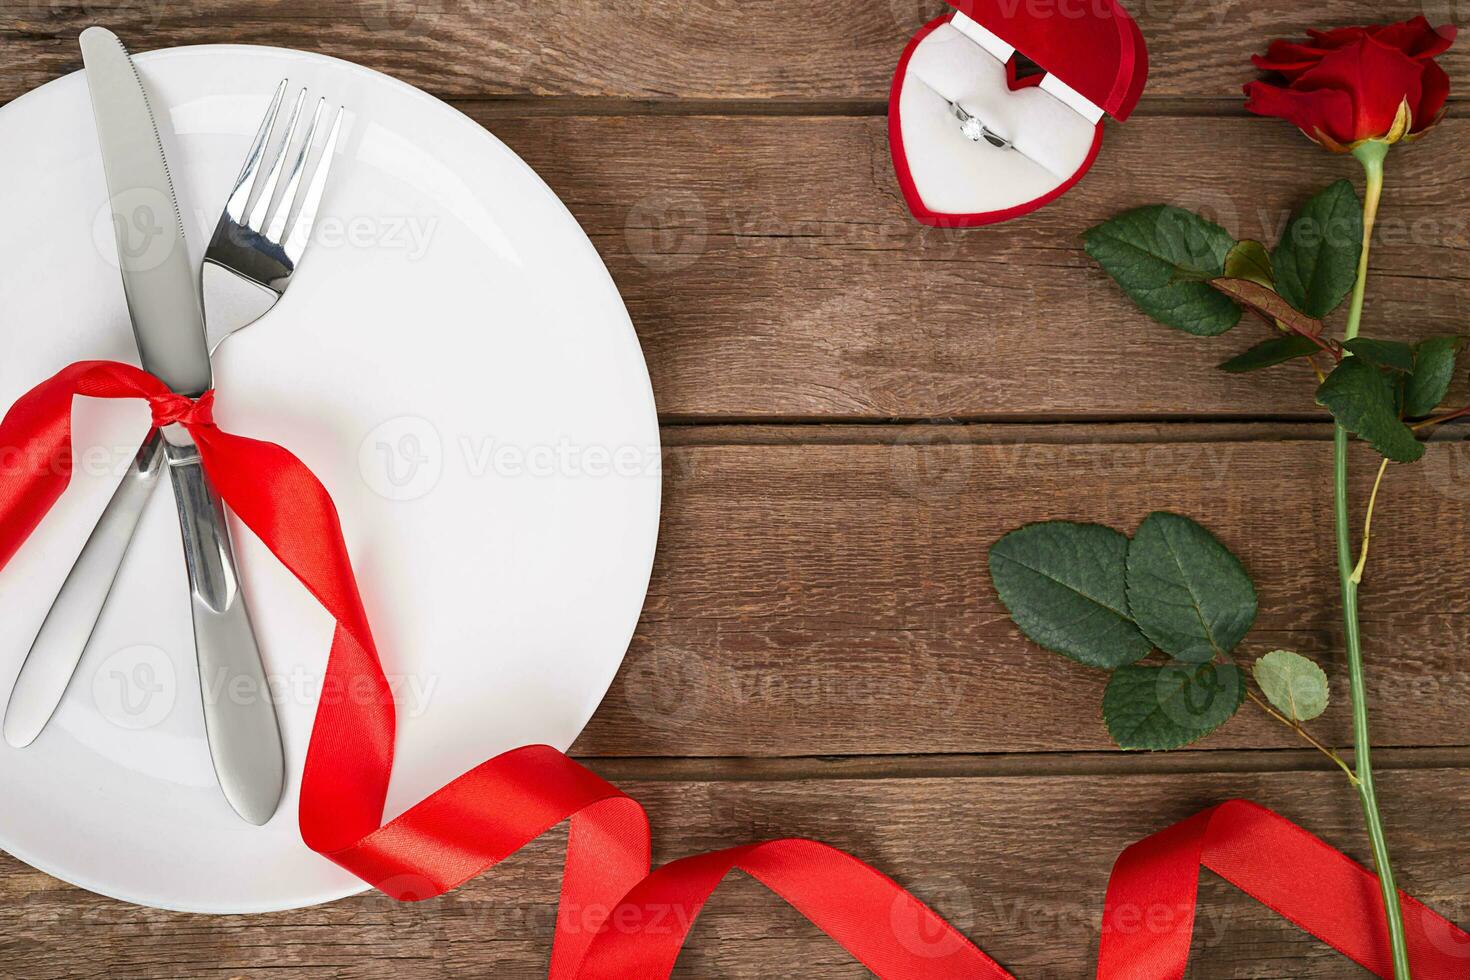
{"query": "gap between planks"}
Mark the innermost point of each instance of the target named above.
(685, 433)
(521, 105)
(1011, 764)
(499, 107)
(518, 106)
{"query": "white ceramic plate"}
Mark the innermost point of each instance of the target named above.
(455, 364)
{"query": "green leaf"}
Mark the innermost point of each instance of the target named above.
(1389, 354)
(1065, 586)
(1269, 353)
(1292, 683)
(1163, 257)
(1171, 706)
(1186, 591)
(1362, 400)
(1250, 260)
(1434, 365)
(1316, 262)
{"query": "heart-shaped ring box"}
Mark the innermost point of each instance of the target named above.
(1092, 62)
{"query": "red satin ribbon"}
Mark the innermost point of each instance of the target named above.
(1148, 919)
(617, 920)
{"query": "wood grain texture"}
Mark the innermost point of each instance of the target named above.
(772, 270)
(822, 599)
(821, 590)
(1020, 865)
(653, 49)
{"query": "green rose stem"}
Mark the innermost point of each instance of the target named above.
(1371, 155)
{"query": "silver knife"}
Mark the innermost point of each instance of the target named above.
(168, 324)
(63, 636)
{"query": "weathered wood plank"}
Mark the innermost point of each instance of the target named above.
(773, 271)
(1020, 865)
(661, 49)
(834, 599)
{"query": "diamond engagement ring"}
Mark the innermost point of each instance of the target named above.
(975, 130)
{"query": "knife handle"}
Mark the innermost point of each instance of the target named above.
(68, 626)
(239, 713)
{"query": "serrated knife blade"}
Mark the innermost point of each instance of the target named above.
(158, 278)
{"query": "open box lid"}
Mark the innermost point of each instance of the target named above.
(1091, 46)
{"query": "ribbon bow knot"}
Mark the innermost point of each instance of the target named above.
(169, 408)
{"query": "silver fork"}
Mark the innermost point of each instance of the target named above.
(255, 249)
(247, 267)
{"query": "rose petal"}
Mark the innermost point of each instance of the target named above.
(1291, 51)
(1338, 37)
(1436, 85)
(1416, 38)
(1288, 58)
(1328, 111)
(1376, 77)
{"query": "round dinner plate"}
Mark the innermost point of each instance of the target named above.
(455, 364)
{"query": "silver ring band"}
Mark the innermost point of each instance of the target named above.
(975, 130)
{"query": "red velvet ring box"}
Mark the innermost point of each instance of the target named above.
(1092, 62)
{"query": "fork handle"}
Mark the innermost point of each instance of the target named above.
(239, 713)
(68, 626)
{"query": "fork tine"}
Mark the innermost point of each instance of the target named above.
(311, 197)
(293, 182)
(261, 210)
(240, 196)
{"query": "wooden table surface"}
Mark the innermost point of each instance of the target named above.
(854, 408)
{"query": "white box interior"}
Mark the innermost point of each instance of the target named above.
(1051, 128)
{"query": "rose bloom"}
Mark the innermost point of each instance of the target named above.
(1347, 86)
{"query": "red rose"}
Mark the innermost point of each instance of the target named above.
(1353, 84)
